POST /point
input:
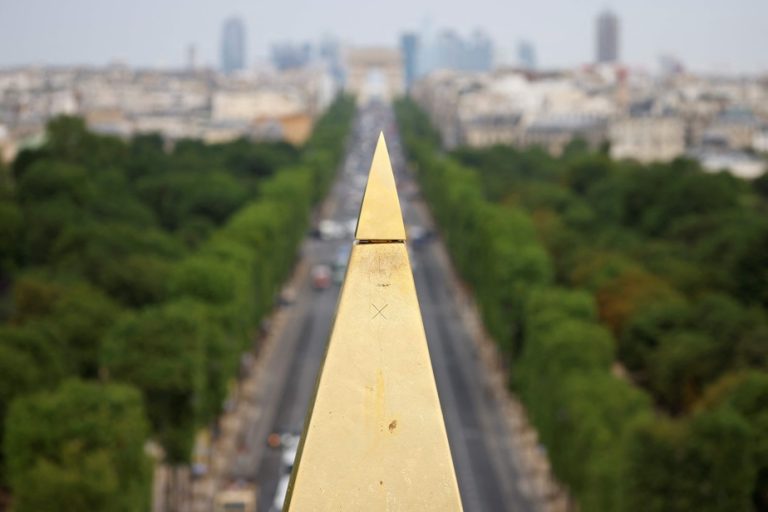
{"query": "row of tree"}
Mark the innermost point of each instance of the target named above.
(572, 270)
(134, 277)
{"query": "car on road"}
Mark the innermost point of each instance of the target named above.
(290, 444)
(321, 277)
(290, 447)
(239, 498)
(330, 230)
(419, 236)
(350, 226)
(340, 264)
(280, 493)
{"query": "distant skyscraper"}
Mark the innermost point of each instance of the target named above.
(607, 37)
(526, 55)
(409, 49)
(291, 55)
(478, 52)
(191, 57)
(233, 45)
(448, 50)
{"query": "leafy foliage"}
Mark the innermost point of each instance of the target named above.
(704, 463)
(146, 268)
(78, 448)
(614, 287)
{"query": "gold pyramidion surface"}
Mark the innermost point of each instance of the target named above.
(375, 438)
(380, 215)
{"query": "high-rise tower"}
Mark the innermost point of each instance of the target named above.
(526, 55)
(607, 37)
(409, 49)
(233, 45)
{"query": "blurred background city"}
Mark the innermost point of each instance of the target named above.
(585, 192)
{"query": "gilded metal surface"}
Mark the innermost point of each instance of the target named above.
(375, 439)
(380, 217)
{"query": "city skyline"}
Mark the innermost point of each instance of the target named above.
(705, 35)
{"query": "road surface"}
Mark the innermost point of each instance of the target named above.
(478, 435)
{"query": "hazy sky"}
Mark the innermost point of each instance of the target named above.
(721, 35)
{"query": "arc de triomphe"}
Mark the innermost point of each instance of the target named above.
(387, 62)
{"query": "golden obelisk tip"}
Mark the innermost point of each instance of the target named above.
(375, 438)
(380, 217)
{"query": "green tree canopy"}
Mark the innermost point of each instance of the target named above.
(78, 448)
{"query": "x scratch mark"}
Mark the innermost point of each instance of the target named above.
(379, 311)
